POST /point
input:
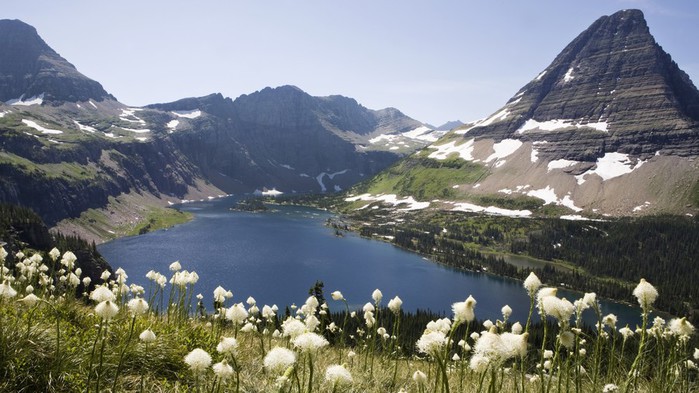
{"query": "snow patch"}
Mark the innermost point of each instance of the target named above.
(538, 77)
(610, 166)
(265, 192)
(557, 124)
(287, 166)
(502, 115)
(131, 112)
(83, 127)
(391, 199)
(172, 124)
(560, 164)
(548, 195)
(36, 100)
(93, 104)
(134, 130)
(193, 114)
(568, 76)
(641, 207)
(37, 127)
(504, 148)
(443, 151)
(2, 114)
(470, 207)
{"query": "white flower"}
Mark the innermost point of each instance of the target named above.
(53, 254)
(610, 387)
(337, 295)
(250, 301)
(237, 313)
(431, 343)
(610, 320)
(29, 300)
(419, 377)
(681, 327)
(220, 294)
(308, 342)
(338, 375)
(567, 339)
(395, 304)
(198, 360)
(646, 294)
(147, 336)
(464, 311)
(368, 307)
(6, 290)
(267, 312)
(105, 275)
(532, 284)
(106, 310)
(696, 354)
(561, 309)
(626, 332)
(369, 318)
(479, 363)
(506, 311)
(279, 359)
(377, 296)
(248, 327)
(227, 345)
(517, 328)
(293, 328)
(137, 306)
(223, 370)
(102, 293)
(312, 323)
(68, 260)
(175, 266)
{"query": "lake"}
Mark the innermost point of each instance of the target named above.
(277, 255)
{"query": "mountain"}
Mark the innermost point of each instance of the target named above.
(450, 125)
(611, 127)
(31, 70)
(90, 165)
(287, 140)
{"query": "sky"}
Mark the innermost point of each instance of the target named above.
(435, 61)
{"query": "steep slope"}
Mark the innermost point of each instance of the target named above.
(285, 139)
(611, 127)
(31, 70)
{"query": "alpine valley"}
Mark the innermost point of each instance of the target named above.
(90, 165)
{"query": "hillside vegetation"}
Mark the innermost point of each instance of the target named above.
(62, 332)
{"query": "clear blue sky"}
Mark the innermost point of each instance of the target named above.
(434, 60)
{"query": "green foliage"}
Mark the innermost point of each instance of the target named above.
(424, 178)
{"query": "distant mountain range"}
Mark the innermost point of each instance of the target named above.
(69, 149)
(610, 128)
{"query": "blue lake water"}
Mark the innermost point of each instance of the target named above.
(276, 256)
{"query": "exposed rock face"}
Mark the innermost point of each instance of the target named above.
(30, 68)
(615, 89)
(611, 127)
(286, 139)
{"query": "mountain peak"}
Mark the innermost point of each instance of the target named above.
(614, 86)
(29, 68)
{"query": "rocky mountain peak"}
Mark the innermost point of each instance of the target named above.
(613, 88)
(30, 68)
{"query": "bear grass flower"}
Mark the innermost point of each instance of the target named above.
(198, 360)
(532, 284)
(431, 343)
(309, 342)
(464, 311)
(395, 304)
(106, 310)
(227, 346)
(237, 314)
(223, 370)
(338, 375)
(646, 294)
(147, 336)
(337, 296)
(279, 358)
(377, 296)
(6, 290)
(101, 294)
(29, 300)
(137, 306)
(681, 327)
(293, 328)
